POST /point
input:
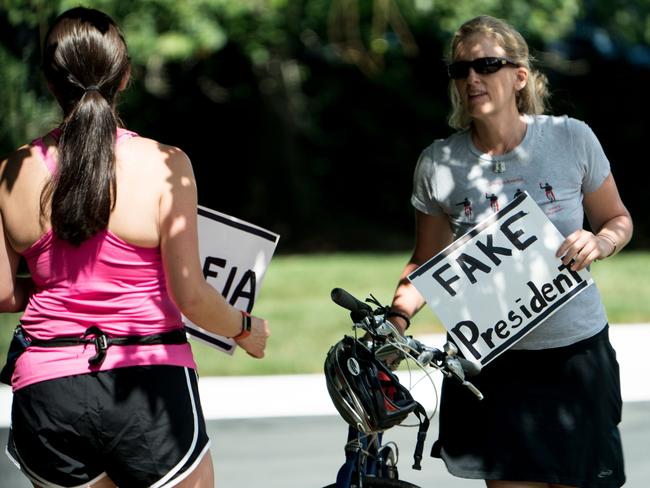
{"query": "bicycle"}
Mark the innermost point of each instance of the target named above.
(369, 397)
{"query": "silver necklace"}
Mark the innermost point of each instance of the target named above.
(499, 166)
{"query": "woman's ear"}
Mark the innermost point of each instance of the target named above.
(124, 82)
(521, 78)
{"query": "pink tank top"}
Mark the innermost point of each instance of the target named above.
(106, 282)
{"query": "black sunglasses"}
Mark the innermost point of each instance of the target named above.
(483, 66)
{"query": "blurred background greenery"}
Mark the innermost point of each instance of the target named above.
(320, 108)
(307, 116)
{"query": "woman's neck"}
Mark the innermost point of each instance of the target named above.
(498, 136)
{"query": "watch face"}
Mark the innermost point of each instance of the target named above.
(353, 367)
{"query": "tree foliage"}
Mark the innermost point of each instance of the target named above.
(326, 102)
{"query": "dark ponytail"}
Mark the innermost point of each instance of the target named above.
(85, 62)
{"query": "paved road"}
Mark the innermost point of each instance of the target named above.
(305, 452)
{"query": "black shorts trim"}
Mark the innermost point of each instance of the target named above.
(37, 480)
(131, 424)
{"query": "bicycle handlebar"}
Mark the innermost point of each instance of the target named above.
(376, 324)
(358, 309)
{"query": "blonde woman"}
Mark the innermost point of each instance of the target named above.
(552, 403)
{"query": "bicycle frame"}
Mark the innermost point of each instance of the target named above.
(366, 456)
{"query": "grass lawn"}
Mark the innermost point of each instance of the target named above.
(305, 322)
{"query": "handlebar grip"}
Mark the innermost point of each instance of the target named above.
(347, 301)
(471, 368)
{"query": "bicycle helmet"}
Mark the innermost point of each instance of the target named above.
(365, 392)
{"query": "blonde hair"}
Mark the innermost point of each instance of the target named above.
(531, 99)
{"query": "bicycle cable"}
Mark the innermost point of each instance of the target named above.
(405, 349)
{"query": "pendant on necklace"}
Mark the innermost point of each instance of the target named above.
(499, 167)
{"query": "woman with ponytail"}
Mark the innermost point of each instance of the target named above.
(552, 401)
(105, 392)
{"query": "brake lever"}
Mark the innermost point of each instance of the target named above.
(385, 328)
(473, 389)
(426, 357)
(455, 369)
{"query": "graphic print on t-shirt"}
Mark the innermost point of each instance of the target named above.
(494, 201)
(548, 189)
(467, 208)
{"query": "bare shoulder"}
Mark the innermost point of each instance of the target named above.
(22, 164)
(22, 156)
(142, 151)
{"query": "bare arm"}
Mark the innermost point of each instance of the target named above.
(432, 234)
(196, 299)
(14, 290)
(611, 223)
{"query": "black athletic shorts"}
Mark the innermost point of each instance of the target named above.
(140, 426)
(549, 416)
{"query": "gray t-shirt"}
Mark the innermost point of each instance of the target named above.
(558, 161)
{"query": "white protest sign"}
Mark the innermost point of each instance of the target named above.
(234, 255)
(499, 281)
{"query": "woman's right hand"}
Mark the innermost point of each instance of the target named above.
(255, 343)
